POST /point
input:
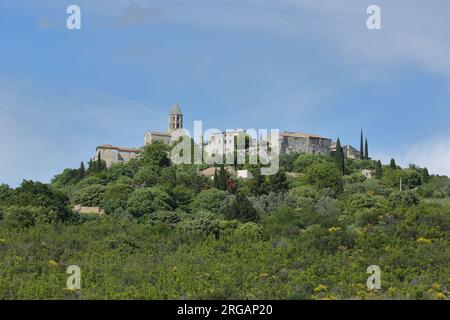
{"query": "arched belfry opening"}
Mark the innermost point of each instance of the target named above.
(175, 118)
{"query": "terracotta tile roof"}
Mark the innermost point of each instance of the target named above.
(210, 171)
(109, 146)
(301, 135)
(157, 133)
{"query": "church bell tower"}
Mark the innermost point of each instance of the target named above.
(175, 118)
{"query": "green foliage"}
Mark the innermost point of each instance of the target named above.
(366, 150)
(392, 164)
(183, 197)
(277, 183)
(303, 161)
(238, 207)
(115, 198)
(168, 234)
(379, 170)
(220, 181)
(209, 200)
(403, 198)
(156, 154)
(90, 196)
(339, 157)
(361, 146)
(324, 175)
(145, 201)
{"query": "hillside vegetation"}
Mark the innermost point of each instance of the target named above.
(169, 233)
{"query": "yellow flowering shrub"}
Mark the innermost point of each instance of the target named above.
(423, 240)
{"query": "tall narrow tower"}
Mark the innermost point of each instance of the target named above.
(175, 118)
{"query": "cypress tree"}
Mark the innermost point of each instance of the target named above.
(339, 157)
(392, 164)
(366, 151)
(378, 170)
(216, 182)
(425, 175)
(361, 147)
(82, 171)
(222, 179)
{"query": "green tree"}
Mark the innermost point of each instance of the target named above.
(278, 182)
(145, 201)
(366, 151)
(257, 184)
(324, 175)
(148, 175)
(100, 165)
(221, 182)
(81, 171)
(209, 200)
(392, 164)
(378, 170)
(425, 175)
(90, 196)
(115, 198)
(238, 207)
(156, 154)
(40, 195)
(361, 146)
(182, 196)
(339, 157)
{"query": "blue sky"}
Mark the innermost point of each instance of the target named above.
(286, 64)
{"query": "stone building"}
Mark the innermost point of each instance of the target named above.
(223, 142)
(175, 122)
(290, 142)
(112, 154)
(349, 151)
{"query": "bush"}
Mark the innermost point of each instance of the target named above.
(145, 201)
(403, 199)
(324, 175)
(239, 208)
(22, 217)
(115, 198)
(90, 196)
(202, 224)
(209, 200)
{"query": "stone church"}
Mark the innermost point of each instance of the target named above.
(113, 154)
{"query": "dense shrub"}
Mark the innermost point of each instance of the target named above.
(145, 201)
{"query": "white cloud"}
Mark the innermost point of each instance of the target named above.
(432, 153)
(413, 31)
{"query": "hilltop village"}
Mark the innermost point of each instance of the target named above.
(289, 142)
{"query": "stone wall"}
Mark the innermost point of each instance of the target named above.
(151, 137)
(290, 144)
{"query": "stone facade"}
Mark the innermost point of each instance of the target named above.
(175, 122)
(175, 118)
(153, 136)
(223, 141)
(111, 154)
(298, 142)
(349, 151)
